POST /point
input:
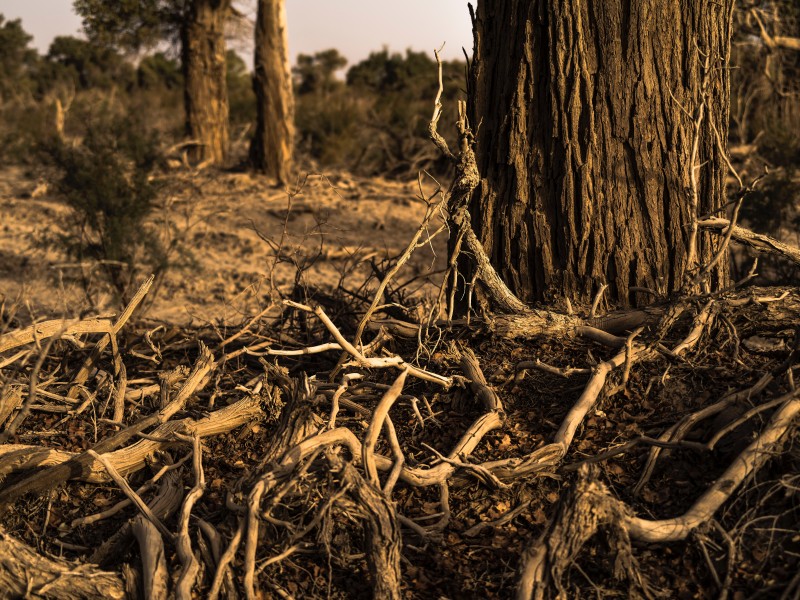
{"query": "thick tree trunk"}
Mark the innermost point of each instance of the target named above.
(205, 87)
(584, 114)
(272, 144)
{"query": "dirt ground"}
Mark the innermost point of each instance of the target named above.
(335, 224)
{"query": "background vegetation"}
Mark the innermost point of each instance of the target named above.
(369, 118)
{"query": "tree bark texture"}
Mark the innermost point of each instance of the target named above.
(583, 112)
(25, 573)
(205, 87)
(273, 142)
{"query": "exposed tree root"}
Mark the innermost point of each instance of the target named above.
(585, 509)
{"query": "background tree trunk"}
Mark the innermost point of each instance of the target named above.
(273, 141)
(205, 87)
(582, 144)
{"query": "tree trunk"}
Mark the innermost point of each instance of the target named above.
(584, 114)
(205, 87)
(273, 141)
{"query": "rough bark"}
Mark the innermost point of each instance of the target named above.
(381, 533)
(273, 141)
(26, 573)
(584, 116)
(205, 86)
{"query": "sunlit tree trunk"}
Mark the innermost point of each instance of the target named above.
(206, 90)
(584, 114)
(272, 144)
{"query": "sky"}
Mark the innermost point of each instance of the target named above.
(354, 27)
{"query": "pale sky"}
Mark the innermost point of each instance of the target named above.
(354, 27)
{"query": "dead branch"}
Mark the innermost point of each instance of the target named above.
(593, 505)
(190, 565)
(225, 561)
(16, 458)
(749, 461)
(42, 331)
(774, 41)
(127, 313)
(154, 563)
(756, 241)
(81, 465)
(132, 495)
(163, 505)
(374, 363)
(375, 426)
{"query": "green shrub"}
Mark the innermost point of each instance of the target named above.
(23, 126)
(328, 128)
(376, 124)
(106, 181)
(241, 97)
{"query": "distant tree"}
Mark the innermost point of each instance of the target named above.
(317, 73)
(17, 60)
(158, 70)
(204, 71)
(90, 65)
(199, 27)
(273, 142)
(384, 72)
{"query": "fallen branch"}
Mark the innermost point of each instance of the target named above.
(749, 461)
(24, 573)
(16, 458)
(757, 241)
(154, 564)
(591, 506)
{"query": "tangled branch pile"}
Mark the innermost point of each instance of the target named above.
(287, 458)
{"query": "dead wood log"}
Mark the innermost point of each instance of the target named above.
(15, 458)
(24, 573)
(47, 329)
(10, 399)
(82, 464)
(154, 564)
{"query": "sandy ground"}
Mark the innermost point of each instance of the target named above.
(335, 225)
